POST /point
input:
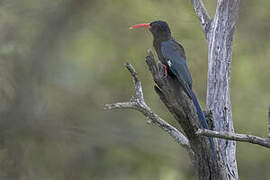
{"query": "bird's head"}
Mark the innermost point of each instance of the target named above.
(159, 29)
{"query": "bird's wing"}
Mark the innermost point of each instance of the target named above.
(175, 57)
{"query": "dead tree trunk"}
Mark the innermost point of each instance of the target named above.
(219, 165)
(219, 39)
(219, 33)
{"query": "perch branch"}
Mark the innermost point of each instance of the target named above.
(202, 14)
(236, 137)
(138, 103)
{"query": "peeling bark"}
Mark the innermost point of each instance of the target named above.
(219, 41)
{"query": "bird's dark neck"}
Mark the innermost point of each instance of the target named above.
(160, 39)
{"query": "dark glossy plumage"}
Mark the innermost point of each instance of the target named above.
(172, 54)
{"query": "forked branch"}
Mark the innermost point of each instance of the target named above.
(138, 103)
(202, 14)
(239, 137)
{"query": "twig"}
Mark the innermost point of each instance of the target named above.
(202, 14)
(236, 137)
(139, 104)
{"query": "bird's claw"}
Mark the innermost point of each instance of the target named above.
(165, 72)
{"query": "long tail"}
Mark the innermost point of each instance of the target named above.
(202, 118)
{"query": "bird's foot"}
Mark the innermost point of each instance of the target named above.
(165, 72)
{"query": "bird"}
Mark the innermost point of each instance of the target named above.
(172, 56)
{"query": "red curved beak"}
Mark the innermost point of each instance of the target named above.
(146, 25)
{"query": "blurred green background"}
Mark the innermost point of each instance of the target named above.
(62, 60)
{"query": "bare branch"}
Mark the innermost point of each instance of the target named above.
(120, 105)
(138, 104)
(136, 81)
(236, 137)
(202, 14)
